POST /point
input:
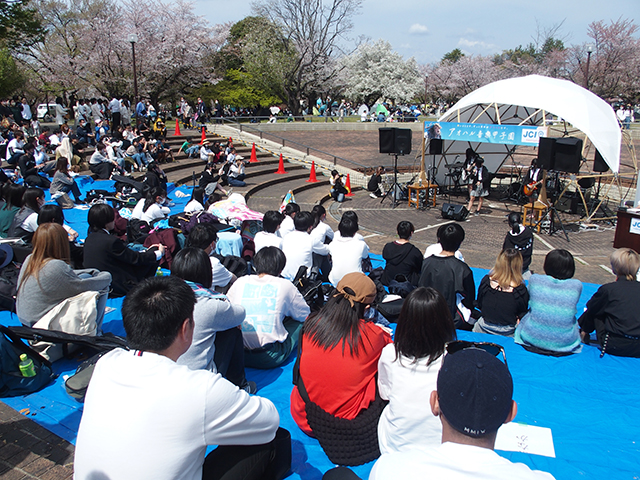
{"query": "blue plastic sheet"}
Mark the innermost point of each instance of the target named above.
(591, 404)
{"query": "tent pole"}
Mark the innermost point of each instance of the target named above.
(530, 116)
(497, 113)
(482, 112)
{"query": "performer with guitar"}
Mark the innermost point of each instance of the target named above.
(533, 181)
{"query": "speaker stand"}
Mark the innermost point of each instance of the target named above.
(395, 188)
(551, 215)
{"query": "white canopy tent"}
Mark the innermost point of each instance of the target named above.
(527, 101)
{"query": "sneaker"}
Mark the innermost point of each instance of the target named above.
(249, 387)
(477, 213)
(373, 195)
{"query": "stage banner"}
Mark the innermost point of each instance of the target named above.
(485, 133)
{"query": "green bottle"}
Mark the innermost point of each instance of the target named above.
(26, 366)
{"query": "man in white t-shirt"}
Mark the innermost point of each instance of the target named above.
(275, 310)
(347, 252)
(145, 416)
(268, 237)
(473, 399)
(299, 247)
(204, 236)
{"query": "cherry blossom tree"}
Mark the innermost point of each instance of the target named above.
(614, 68)
(375, 71)
(87, 49)
(449, 81)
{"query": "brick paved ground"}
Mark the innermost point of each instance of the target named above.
(29, 451)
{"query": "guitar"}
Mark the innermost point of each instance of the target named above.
(529, 188)
(467, 172)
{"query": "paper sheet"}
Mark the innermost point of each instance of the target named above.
(519, 437)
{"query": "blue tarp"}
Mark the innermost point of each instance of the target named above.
(591, 404)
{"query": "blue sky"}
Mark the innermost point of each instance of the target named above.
(426, 29)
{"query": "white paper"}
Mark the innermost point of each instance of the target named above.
(519, 437)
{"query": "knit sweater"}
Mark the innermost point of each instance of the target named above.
(551, 324)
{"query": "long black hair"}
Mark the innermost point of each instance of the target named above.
(30, 198)
(198, 195)
(317, 211)
(152, 195)
(336, 322)
(424, 325)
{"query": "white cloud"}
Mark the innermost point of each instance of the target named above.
(418, 29)
(476, 44)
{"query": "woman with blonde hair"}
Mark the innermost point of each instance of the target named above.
(46, 279)
(502, 296)
(612, 311)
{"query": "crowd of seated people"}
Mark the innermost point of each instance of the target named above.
(349, 366)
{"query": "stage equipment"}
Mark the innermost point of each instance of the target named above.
(454, 212)
(395, 140)
(599, 165)
(546, 153)
(435, 146)
(568, 154)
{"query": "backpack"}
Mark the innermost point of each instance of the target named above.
(8, 287)
(12, 383)
(77, 384)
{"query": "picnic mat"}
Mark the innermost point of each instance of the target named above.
(591, 404)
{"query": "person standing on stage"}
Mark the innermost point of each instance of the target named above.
(480, 183)
(467, 167)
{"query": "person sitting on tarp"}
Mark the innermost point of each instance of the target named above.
(204, 236)
(473, 399)
(613, 312)
(184, 410)
(268, 237)
(451, 277)
(550, 327)
(46, 279)
(106, 252)
(402, 258)
(275, 311)
(217, 340)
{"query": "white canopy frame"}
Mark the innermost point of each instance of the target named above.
(528, 101)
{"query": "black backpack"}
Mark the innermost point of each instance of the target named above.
(12, 383)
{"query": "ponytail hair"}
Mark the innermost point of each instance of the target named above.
(514, 220)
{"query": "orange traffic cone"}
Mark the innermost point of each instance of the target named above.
(177, 132)
(254, 157)
(204, 136)
(281, 165)
(348, 186)
(312, 175)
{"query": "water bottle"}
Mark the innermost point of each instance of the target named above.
(26, 366)
(159, 272)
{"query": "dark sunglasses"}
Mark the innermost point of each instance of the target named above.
(489, 347)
